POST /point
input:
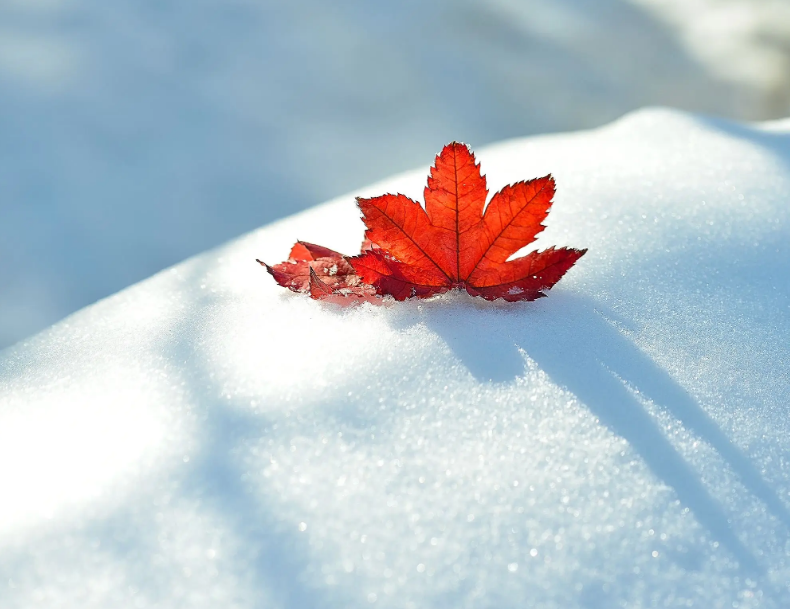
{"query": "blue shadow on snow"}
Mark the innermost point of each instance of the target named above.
(583, 352)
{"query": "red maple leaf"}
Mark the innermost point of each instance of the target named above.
(322, 273)
(456, 241)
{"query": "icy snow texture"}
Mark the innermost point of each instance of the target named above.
(134, 134)
(207, 439)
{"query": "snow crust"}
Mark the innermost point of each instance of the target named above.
(207, 439)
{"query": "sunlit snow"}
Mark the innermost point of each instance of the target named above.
(208, 439)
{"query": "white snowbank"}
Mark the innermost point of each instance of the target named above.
(208, 439)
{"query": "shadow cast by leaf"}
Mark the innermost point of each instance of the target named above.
(582, 350)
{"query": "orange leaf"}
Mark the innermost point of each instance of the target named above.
(454, 243)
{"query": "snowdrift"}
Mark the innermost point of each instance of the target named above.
(207, 439)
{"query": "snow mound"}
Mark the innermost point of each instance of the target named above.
(207, 439)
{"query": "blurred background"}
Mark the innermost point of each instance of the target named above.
(136, 133)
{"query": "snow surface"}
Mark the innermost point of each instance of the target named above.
(134, 134)
(207, 439)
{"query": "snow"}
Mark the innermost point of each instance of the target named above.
(208, 439)
(136, 134)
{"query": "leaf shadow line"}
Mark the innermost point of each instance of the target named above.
(584, 352)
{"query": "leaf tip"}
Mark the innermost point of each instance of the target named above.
(318, 289)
